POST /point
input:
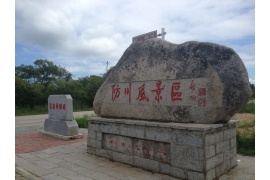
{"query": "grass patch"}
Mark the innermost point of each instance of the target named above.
(248, 108)
(246, 143)
(82, 122)
(245, 137)
(24, 111)
(248, 124)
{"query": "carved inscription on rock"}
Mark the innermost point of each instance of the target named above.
(158, 151)
(186, 92)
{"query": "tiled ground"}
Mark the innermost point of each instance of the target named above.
(35, 141)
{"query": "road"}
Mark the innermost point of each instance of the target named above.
(38, 120)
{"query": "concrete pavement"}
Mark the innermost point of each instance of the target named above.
(43, 157)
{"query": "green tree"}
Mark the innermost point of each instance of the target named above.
(91, 85)
(34, 84)
(43, 72)
(23, 93)
(27, 72)
(253, 90)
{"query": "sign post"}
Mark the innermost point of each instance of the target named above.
(162, 34)
(150, 35)
(144, 37)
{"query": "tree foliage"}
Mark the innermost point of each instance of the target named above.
(34, 84)
(43, 72)
(253, 90)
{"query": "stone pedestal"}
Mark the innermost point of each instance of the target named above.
(65, 130)
(182, 150)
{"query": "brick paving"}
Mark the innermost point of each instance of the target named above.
(34, 141)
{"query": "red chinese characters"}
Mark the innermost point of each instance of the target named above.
(202, 99)
(128, 150)
(136, 147)
(202, 92)
(175, 93)
(180, 91)
(151, 151)
(115, 91)
(202, 102)
(144, 148)
(192, 85)
(193, 97)
(128, 93)
(58, 106)
(142, 95)
(158, 97)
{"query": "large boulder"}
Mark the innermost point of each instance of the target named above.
(193, 82)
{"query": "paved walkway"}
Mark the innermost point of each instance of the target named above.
(43, 157)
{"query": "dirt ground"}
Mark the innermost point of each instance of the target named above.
(244, 117)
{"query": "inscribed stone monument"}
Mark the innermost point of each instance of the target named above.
(193, 82)
(167, 108)
(60, 122)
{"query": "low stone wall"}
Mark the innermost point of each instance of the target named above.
(186, 151)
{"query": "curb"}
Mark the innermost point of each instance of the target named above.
(27, 175)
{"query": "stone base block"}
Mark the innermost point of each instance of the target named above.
(186, 151)
(65, 128)
(58, 136)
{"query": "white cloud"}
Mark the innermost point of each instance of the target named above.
(252, 81)
(69, 32)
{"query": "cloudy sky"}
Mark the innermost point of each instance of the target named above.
(82, 35)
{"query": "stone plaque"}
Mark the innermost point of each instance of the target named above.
(154, 150)
(60, 107)
(144, 37)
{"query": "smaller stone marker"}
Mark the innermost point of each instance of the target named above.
(60, 123)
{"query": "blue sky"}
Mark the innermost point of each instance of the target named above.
(83, 35)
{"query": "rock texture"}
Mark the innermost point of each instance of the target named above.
(193, 82)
